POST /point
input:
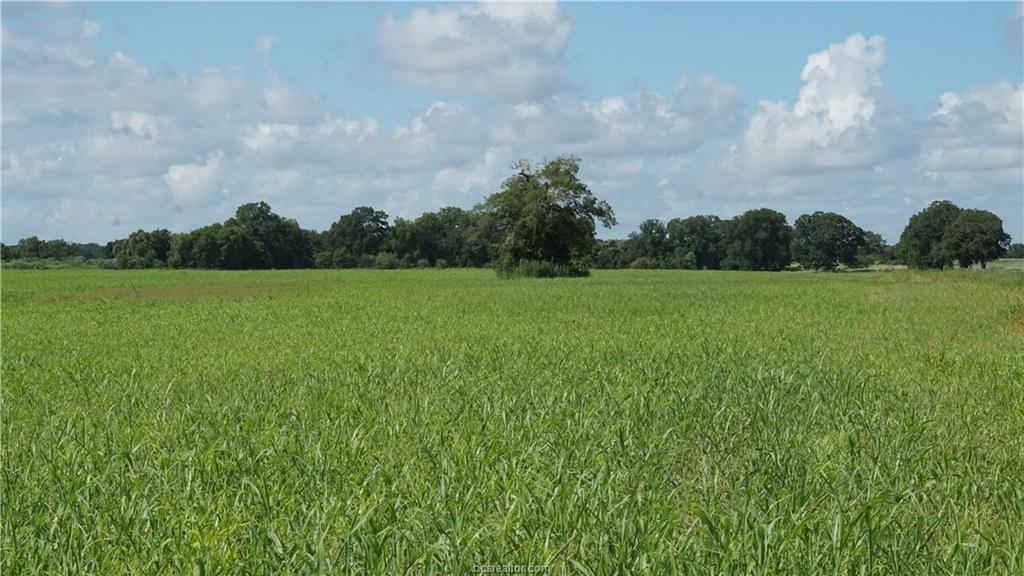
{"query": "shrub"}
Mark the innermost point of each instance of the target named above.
(386, 261)
(643, 262)
(541, 269)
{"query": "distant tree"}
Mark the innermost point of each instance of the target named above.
(362, 233)
(547, 215)
(55, 249)
(404, 239)
(650, 241)
(1015, 251)
(89, 251)
(756, 240)
(700, 236)
(143, 249)
(681, 259)
(611, 254)
(30, 247)
(643, 263)
(919, 243)
(824, 240)
(279, 242)
(973, 236)
(207, 247)
(386, 261)
(238, 250)
(875, 250)
(180, 255)
(483, 239)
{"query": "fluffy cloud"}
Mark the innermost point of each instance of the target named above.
(847, 145)
(646, 123)
(841, 119)
(137, 123)
(189, 183)
(981, 129)
(501, 51)
(96, 145)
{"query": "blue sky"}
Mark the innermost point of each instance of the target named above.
(615, 46)
(427, 105)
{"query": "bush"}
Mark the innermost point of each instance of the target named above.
(71, 262)
(541, 269)
(423, 263)
(323, 260)
(643, 262)
(386, 261)
(441, 263)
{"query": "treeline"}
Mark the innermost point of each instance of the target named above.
(761, 239)
(755, 240)
(543, 222)
(34, 248)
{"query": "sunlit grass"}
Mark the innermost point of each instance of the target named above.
(418, 421)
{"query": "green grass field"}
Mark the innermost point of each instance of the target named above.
(409, 422)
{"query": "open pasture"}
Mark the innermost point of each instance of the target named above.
(428, 421)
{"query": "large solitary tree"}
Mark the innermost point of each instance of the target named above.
(824, 240)
(546, 215)
(974, 236)
(919, 243)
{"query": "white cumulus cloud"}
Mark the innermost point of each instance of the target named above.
(193, 181)
(501, 51)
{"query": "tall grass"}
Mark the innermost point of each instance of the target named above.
(428, 421)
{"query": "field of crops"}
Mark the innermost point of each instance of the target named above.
(432, 421)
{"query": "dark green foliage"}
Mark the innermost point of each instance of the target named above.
(973, 236)
(542, 269)
(919, 243)
(238, 250)
(644, 263)
(875, 250)
(277, 242)
(546, 215)
(756, 240)
(362, 232)
(824, 240)
(143, 249)
(610, 254)
(650, 241)
(386, 261)
(255, 237)
(34, 248)
(434, 236)
(700, 236)
(944, 233)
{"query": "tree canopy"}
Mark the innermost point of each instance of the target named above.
(943, 233)
(757, 240)
(546, 215)
(919, 242)
(824, 240)
(543, 221)
(974, 237)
